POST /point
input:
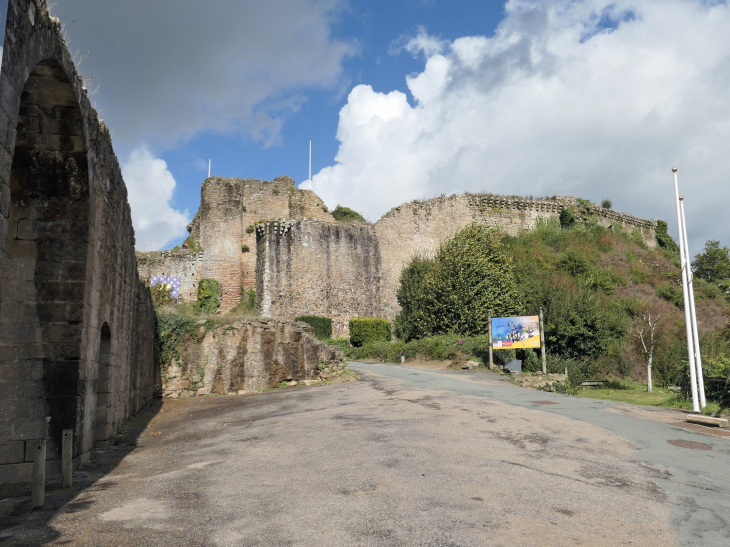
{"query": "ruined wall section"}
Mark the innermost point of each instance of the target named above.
(185, 265)
(222, 243)
(248, 356)
(310, 267)
(420, 227)
(68, 273)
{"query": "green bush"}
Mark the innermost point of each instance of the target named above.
(209, 296)
(364, 330)
(410, 296)
(671, 293)
(322, 325)
(345, 214)
(574, 263)
(170, 328)
(664, 240)
(567, 218)
(245, 248)
(471, 275)
(250, 229)
(161, 295)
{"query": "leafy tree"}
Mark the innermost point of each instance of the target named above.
(471, 275)
(713, 264)
(410, 296)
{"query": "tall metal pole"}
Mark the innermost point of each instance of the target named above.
(209, 168)
(693, 310)
(310, 164)
(687, 317)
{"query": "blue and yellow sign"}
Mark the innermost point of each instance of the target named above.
(516, 332)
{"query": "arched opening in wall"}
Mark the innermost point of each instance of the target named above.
(43, 278)
(103, 417)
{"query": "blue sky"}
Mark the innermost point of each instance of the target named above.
(412, 99)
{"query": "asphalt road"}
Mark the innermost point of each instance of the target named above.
(697, 483)
(402, 457)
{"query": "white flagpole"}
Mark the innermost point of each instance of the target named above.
(693, 310)
(687, 318)
(208, 168)
(310, 164)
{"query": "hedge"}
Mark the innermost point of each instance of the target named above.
(364, 330)
(322, 325)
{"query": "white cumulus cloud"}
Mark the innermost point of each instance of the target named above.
(591, 98)
(150, 187)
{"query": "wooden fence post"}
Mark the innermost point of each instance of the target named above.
(542, 344)
(67, 450)
(489, 320)
(39, 473)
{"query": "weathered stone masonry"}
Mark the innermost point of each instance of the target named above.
(222, 244)
(343, 271)
(318, 268)
(248, 355)
(76, 323)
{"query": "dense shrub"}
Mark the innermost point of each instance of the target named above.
(410, 296)
(671, 293)
(161, 295)
(365, 330)
(567, 218)
(345, 214)
(170, 328)
(470, 276)
(209, 296)
(322, 325)
(664, 240)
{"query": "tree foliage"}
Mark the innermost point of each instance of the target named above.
(469, 276)
(664, 240)
(410, 296)
(713, 264)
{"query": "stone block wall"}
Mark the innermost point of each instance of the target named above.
(309, 267)
(222, 244)
(185, 265)
(76, 323)
(344, 271)
(248, 356)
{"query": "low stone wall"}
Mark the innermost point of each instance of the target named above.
(248, 356)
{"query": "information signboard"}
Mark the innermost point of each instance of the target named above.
(516, 332)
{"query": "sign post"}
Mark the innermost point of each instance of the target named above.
(542, 344)
(489, 320)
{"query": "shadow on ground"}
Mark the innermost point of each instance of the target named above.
(15, 502)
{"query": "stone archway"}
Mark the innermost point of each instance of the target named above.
(44, 271)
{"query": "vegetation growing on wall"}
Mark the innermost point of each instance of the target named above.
(345, 214)
(209, 296)
(322, 325)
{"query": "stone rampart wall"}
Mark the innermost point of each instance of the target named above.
(185, 265)
(76, 323)
(248, 356)
(309, 267)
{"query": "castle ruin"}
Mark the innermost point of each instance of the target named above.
(283, 242)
